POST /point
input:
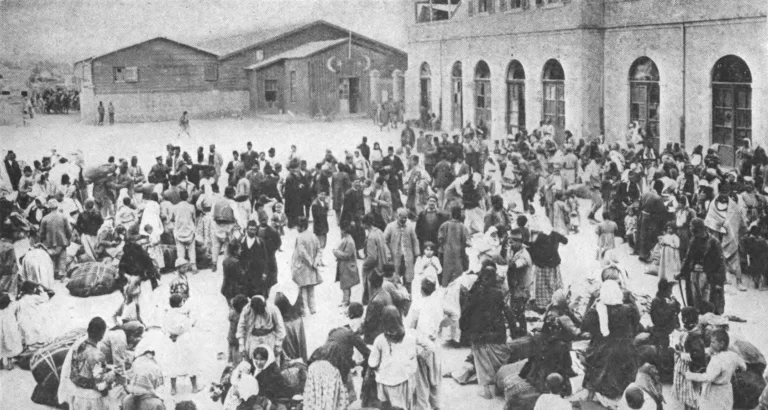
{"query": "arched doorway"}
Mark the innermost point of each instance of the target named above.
(553, 80)
(515, 97)
(457, 96)
(731, 105)
(644, 97)
(425, 75)
(482, 95)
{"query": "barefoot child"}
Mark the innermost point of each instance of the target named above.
(129, 310)
(606, 235)
(279, 220)
(575, 216)
(427, 265)
(669, 260)
(178, 324)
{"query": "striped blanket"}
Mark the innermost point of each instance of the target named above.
(93, 279)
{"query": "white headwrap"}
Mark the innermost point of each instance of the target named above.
(610, 295)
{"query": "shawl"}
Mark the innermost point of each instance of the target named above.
(610, 295)
(324, 389)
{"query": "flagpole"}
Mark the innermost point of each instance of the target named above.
(349, 56)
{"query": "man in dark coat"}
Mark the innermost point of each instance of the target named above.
(294, 191)
(352, 211)
(249, 157)
(704, 269)
(14, 170)
(320, 217)
(158, 174)
(407, 137)
(256, 178)
(380, 299)
(428, 222)
(56, 234)
(394, 168)
(273, 242)
(365, 150)
(653, 216)
(254, 260)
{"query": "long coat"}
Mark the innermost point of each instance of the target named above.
(254, 261)
(294, 198)
(347, 273)
(382, 212)
(452, 240)
(376, 256)
(340, 184)
(426, 231)
(306, 255)
(273, 242)
(408, 252)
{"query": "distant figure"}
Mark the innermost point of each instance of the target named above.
(100, 110)
(111, 112)
(184, 125)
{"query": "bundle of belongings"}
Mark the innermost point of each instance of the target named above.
(94, 279)
(46, 364)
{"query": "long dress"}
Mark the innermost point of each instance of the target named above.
(452, 238)
(10, 334)
(669, 261)
(611, 361)
(178, 325)
(717, 392)
(560, 216)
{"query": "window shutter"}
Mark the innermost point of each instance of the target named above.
(131, 74)
(492, 6)
(471, 7)
(503, 5)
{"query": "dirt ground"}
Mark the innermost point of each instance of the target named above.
(66, 134)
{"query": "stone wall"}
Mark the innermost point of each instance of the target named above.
(146, 107)
(11, 110)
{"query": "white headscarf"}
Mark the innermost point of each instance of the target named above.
(610, 295)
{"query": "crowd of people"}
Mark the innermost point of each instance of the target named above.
(445, 238)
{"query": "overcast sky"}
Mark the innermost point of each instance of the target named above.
(68, 30)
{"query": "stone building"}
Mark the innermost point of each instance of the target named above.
(691, 71)
(305, 69)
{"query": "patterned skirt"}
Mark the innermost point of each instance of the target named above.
(686, 391)
(548, 280)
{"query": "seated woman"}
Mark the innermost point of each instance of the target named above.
(295, 342)
(33, 313)
(611, 359)
(257, 377)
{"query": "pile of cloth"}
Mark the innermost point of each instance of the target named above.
(46, 366)
(94, 279)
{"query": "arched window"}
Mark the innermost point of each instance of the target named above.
(515, 97)
(731, 104)
(425, 75)
(457, 96)
(644, 97)
(553, 80)
(482, 94)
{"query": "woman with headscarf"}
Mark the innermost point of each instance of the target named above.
(260, 324)
(362, 166)
(545, 255)
(453, 240)
(295, 342)
(258, 376)
(611, 359)
(550, 354)
(394, 358)
(482, 320)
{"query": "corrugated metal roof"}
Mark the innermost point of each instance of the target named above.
(301, 51)
(225, 46)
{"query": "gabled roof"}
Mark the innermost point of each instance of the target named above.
(228, 46)
(304, 50)
(202, 50)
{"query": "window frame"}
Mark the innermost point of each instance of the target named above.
(268, 82)
(211, 72)
(118, 74)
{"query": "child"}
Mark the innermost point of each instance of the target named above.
(129, 310)
(178, 324)
(10, 333)
(573, 206)
(33, 313)
(427, 265)
(552, 400)
(560, 215)
(279, 220)
(718, 392)
(126, 215)
(180, 284)
(669, 260)
(152, 244)
(606, 235)
(630, 227)
(238, 303)
(525, 233)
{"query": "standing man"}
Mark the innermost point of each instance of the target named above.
(704, 269)
(294, 191)
(305, 264)
(184, 226)
(393, 166)
(111, 112)
(184, 125)
(88, 224)
(365, 150)
(352, 212)
(55, 234)
(381, 204)
(225, 213)
(216, 161)
(376, 255)
(443, 177)
(13, 168)
(272, 242)
(407, 136)
(429, 221)
(253, 260)
(233, 168)
(100, 110)
(158, 174)
(249, 157)
(403, 246)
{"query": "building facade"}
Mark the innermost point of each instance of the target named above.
(307, 69)
(691, 71)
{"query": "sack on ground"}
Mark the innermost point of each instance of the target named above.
(93, 279)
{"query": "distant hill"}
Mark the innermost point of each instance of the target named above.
(19, 74)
